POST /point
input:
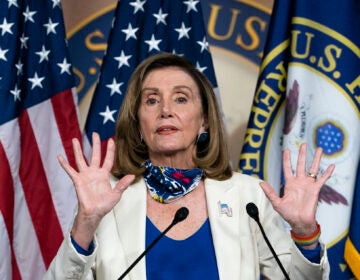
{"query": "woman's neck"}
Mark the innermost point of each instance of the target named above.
(175, 161)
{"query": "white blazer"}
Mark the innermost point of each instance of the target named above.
(241, 251)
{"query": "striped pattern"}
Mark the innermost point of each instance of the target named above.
(37, 198)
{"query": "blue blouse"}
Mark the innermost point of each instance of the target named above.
(192, 258)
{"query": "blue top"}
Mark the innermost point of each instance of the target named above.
(192, 258)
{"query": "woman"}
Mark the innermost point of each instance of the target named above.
(170, 138)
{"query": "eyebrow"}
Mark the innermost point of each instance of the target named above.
(176, 87)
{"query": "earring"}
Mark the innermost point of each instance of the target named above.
(202, 137)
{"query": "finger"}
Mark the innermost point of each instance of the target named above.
(301, 161)
(110, 154)
(270, 193)
(288, 172)
(67, 167)
(79, 156)
(96, 150)
(326, 175)
(124, 182)
(314, 168)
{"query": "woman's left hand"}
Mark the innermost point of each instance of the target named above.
(299, 203)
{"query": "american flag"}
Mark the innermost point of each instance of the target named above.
(37, 121)
(142, 28)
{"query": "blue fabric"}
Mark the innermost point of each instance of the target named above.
(167, 184)
(190, 259)
(81, 250)
(313, 255)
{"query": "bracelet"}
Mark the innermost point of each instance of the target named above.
(306, 240)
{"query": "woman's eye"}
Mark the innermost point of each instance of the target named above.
(151, 101)
(181, 99)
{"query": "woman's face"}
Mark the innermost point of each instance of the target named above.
(170, 114)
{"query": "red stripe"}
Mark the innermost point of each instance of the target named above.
(67, 120)
(37, 193)
(103, 149)
(7, 206)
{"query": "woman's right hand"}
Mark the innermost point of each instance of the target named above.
(95, 195)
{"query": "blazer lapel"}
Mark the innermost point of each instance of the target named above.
(223, 208)
(130, 215)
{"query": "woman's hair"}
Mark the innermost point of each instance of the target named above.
(131, 151)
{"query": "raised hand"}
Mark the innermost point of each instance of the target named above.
(299, 203)
(95, 195)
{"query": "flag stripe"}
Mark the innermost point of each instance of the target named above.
(66, 115)
(37, 193)
(352, 257)
(49, 135)
(7, 210)
(25, 243)
(5, 250)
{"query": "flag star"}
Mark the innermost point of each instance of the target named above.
(36, 81)
(50, 27)
(23, 41)
(153, 43)
(16, 93)
(160, 17)
(130, 32)
(56, 3)
(204, 44)
(2, 54)
(138, 5)
(115, 87)
(12, 2)
(64, 67)
(44, 54)
(108, 115)
(6, 27)
(191, 5)
(29, 15)
(123, 59)
(19, 67)
(183, 31)
(201, 69)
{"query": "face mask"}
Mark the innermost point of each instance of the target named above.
(167, 184)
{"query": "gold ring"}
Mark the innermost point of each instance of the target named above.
(312, 175)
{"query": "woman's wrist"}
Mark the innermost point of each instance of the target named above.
(83, 231)
(307, 241)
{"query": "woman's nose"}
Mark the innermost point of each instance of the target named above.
(166, 110)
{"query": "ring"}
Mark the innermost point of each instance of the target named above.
(312, 175)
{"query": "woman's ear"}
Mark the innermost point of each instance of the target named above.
(205, 125)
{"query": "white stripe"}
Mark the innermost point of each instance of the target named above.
(5, 262)
(47, 136)
(75, 98)
(87, 147)
(26, 246)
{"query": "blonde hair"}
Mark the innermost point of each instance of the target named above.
(212, 155)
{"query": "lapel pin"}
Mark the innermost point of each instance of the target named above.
(224, 209)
